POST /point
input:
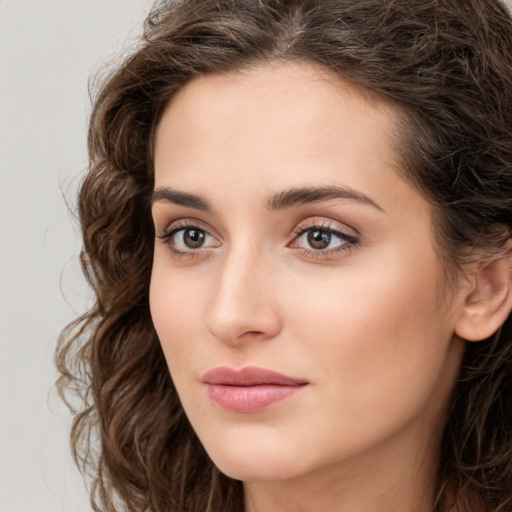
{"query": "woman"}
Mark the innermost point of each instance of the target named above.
(297, 222)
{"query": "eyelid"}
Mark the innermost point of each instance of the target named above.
(182, 224)
(350, 240)
(189, 222)
(327, 224)
(349, 237)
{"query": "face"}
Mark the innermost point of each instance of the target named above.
(296, 288)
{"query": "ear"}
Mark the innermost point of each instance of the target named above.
(488, 300)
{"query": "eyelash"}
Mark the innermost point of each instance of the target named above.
(349, 242)
(166, 238)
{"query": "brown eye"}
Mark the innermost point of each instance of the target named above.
(188, 240)
(193, 238)
(319, 239)
(323, 241)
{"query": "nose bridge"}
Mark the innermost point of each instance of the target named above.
(242, 303)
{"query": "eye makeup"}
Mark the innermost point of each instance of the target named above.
(312, 238)
(322, 240)
(186, 239)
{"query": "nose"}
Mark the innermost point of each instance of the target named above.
(244, 306)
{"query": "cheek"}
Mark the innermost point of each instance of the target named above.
(177, 305)
(374, 335)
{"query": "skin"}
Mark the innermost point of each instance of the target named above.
(368, 322)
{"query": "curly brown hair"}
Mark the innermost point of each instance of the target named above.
(447, 67)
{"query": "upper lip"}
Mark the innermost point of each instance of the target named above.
(249, 376)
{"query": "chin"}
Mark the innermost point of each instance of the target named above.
(256, 470)
(253, 461)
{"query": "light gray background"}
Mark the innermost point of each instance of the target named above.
(48, 49)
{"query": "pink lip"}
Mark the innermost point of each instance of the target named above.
(249, 389)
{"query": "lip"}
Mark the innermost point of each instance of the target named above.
(249, 389)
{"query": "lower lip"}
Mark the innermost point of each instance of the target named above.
(247, 399)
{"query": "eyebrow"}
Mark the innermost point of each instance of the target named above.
(169, 195)
(304, 195)
(277, 201)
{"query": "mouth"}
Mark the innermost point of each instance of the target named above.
(250, 389)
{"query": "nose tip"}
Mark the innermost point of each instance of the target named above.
(233, 328)
(243, 307)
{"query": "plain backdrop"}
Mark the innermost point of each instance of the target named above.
(48, 49)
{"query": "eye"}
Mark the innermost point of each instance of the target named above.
(319, 238)
(322, 240)
(187, 239)
(190, 238)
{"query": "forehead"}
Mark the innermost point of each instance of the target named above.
(275, 117)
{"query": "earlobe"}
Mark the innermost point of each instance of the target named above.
(489, 300)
